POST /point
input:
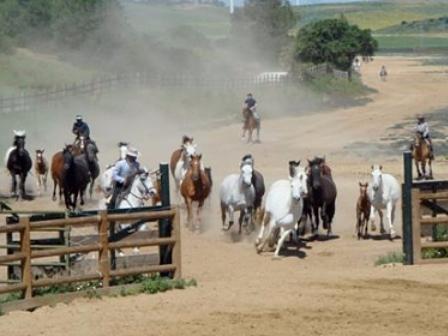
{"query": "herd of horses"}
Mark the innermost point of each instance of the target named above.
(308, 194)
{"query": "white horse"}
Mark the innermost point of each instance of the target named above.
(142, 189)
(283, 209)
(237, 193)
(384, 192)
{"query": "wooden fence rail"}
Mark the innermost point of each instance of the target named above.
(103, 246)
(424, 204)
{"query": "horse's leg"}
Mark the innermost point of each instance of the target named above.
(424, 168)
(417, 167)
(223, 215)
(45, 177)
(38, 183)
(189, 203)
(55, 184)
(14, 185)
(231, 216)
(260, 237)
(316, 220)
(430, 168)
(329, 213)
(280, 243)
(240, 221)
(391, 219)
(380, 214)
(199, 216)
(372, 218)
(22, 185)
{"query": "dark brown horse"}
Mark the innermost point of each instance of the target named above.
(363, 207)
(76, 177)
(195, 187)
(321, 196)
(18, 163)
(250, 123)
(421, 154)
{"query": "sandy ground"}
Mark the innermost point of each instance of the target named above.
(327, 287)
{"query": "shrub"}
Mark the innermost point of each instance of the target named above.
(390, 258)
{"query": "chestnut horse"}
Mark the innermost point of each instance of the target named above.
(421, 153)
(195, 187)
(249, 125)
(57, 171)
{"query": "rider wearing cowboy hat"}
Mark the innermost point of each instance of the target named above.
(422, 128)
(122, 170)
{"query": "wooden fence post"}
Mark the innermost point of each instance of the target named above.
(103, 230)
(177, 260)
(165, 251)
(416, 226)
(25, 248)
(407, 210)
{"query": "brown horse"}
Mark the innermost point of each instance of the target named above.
(41, 169)
(57, 172)
(363, 207)
(250, 123)
(195, 187)
(421, 154)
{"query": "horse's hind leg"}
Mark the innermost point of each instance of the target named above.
(391, 219)
(280, 243)
(13, 185)
(55, 184)
(430, 168)
(417, 167)
(198, 226)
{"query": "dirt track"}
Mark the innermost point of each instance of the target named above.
(326, 288)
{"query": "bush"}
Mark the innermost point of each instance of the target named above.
(390, 258)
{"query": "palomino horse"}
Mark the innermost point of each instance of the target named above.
(195, 187)
(18, 162)
(180, 161)
(250, 123)
(421, 154)
(383, 192)
(41, 169)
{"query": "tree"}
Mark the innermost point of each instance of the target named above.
(333, 41)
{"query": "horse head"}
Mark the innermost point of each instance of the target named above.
(246, 174)
(146, 186)
(315, 169)
(91, 150)
(377, 177)
(363, 189)
(67, 154)
(123, 146)
(195, 164)
(39, 156)
(19, 143)
(298, 182)
(293, 165)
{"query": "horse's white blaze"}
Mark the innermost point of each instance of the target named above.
(383, 193)
(237, 193)
(283, 208)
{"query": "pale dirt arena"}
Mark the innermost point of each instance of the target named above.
(326, 288)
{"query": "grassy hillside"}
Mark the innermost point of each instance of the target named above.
(33, 71)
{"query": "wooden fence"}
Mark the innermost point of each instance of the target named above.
(424, 205)
(103, 246)
(129, 81)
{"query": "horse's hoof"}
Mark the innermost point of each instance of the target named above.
(276, 257)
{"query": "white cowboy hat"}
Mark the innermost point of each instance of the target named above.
(79, 117)
(19, 133)
(132, 152)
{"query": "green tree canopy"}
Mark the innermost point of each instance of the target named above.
(334, 41)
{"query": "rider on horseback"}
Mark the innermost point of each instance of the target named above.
(80, 127)
(122, 170)
(252, 105)
(422, 128)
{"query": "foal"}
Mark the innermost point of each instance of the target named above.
(41, 168)
(362, 210)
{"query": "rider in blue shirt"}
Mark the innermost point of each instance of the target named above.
(81, 128)
(122, 170)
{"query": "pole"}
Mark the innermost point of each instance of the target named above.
(165, 251)
(407, 210)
